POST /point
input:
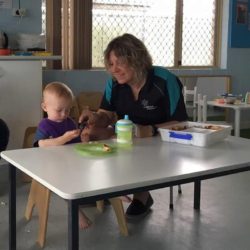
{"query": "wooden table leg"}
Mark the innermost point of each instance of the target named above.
(12, 207)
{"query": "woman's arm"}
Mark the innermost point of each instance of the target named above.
(150, 130)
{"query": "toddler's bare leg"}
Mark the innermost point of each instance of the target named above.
(125, 198)
(84, 221)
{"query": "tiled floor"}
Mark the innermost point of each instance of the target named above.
(222, 223)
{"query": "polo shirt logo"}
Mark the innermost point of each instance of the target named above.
(146, 105)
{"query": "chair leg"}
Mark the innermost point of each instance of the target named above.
(31, 201)
(171, 203)
(179, 189)
(119, 211)
(39, 196)
(100, 205)
(43, 211)
(194, 115)
(25, 178)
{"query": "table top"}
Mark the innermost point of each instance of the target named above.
(150, 161)
(232, 106)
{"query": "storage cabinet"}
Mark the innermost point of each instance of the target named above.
(20, 94)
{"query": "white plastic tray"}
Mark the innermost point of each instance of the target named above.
(195, 133)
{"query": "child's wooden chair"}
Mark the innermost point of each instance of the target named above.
(39, 196)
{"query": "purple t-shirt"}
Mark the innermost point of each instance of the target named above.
(51, 129)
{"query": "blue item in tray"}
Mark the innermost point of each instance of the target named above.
(23, 53)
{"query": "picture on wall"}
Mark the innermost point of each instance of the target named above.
(241, 14)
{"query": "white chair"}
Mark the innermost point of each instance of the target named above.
(202, 108)
(202, 111)
(201, 117)
(171, 200)
(190, 100)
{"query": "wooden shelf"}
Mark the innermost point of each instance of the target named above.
(29, 58)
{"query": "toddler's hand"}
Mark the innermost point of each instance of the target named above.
(69, 135)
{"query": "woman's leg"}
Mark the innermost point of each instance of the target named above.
(140, 205)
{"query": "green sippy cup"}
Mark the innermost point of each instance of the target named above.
(124, 131)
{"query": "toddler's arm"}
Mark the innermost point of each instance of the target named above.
(61, 140)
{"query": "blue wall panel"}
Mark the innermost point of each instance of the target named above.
(239, 33)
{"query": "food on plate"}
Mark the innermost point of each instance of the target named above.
(95, 149)
(106, 148)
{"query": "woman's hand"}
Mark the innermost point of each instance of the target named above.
(142, 131)
(149, 130)
(91, 133)
(89, 116)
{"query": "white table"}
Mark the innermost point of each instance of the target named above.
(149, 164)
(237, 109)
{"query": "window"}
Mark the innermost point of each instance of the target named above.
(177, 33)
(43, 16)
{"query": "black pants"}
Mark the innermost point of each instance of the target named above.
(4, 135)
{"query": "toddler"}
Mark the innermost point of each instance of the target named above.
(58, 128)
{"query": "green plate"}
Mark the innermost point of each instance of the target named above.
(95, 149)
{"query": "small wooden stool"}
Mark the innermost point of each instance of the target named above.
(39, 196)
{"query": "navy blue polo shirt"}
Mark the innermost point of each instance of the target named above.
(160, 99)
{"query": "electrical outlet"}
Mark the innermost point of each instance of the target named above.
(19, 12)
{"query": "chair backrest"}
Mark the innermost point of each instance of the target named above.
(190, 100)
(202, 108)
(74, 111)
(92, 100)
(85, 100)
(190, 96)
(29, 137)
(28, 143)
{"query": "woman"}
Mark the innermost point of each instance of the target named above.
(151, 97)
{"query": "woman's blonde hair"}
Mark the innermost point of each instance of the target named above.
(132, 51)
(59, 89)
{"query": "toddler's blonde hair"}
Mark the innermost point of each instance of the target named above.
(59, 89)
